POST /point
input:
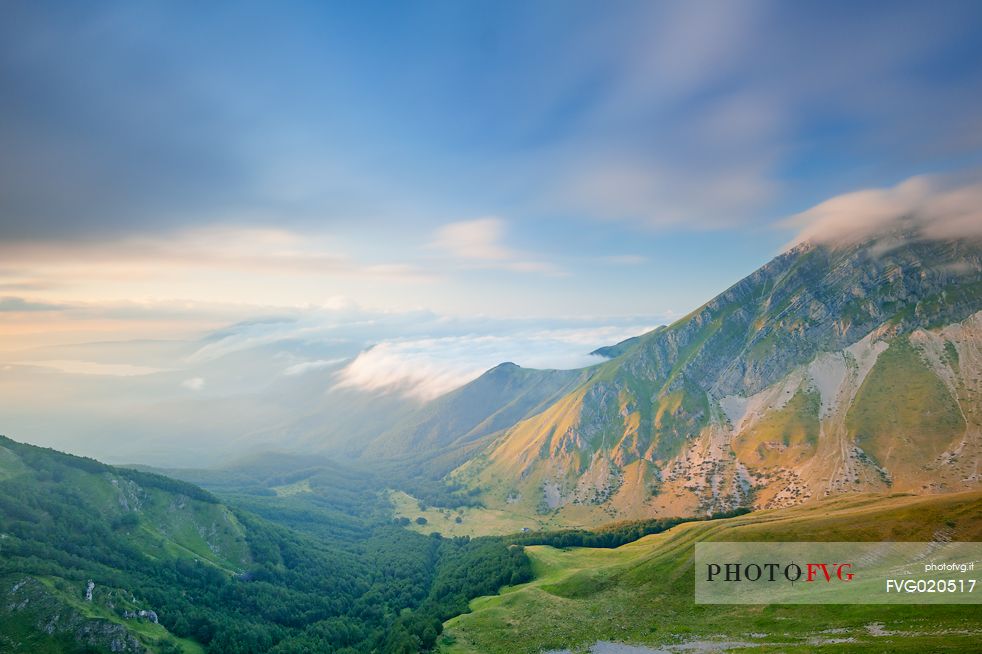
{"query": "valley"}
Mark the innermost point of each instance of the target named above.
(173, 568)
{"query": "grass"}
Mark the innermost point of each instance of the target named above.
(169, 525)
(643, 592)
(61, 602)
(197, 530)
(474, 521)
(903, 412)
(148, 632)
(297, 487)
(785, 436)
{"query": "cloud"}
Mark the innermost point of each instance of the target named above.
(712, 114)
(93, 150)
(714, 105)
(697, 44)
(215, 263)
(342, 324)
(17, 305)
(474, 239)
(235, 392)
(307, 366)
(933, 207)
(663, 194)
(343, 333)
(478, 243)
(427, 368)
(224, 247)
(73, 367)
(22, 284)
(194, 384)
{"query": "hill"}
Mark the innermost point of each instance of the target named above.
(642, 592)
(95, 558)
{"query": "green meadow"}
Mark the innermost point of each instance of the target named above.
(642, 593)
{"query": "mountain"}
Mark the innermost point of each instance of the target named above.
(833, 368)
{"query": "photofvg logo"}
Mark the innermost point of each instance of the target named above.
(836, 573)
(777, 572)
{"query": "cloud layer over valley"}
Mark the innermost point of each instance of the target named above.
(185, 402)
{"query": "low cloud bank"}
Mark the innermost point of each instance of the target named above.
(427, 368)
(418, 353)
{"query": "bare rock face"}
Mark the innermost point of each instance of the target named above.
(148, 615)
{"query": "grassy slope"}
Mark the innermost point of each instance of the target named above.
(785, 436)
(474, 521)
(57, 600)
(166, 525)
(903, 412)
(98, 609)
(643, 592)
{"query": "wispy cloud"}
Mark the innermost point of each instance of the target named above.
(685, 115)
(307, 366)
(480, 244)
(73, 367)
(217, 264)
(236, 248)
(192, 398)
(709, 111)
(18, 305)
(474, 239)
(623, 186)
(194, 384)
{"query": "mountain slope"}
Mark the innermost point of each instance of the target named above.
(454, 423)
(772, 393)
(642, 592)
(51, 615)
(67, 521)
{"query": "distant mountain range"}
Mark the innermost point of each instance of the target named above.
(831, 369)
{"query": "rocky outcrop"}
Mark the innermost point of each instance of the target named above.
(24, 599)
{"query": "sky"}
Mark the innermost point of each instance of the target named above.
(168, 169)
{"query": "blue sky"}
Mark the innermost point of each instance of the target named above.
(512, 159)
